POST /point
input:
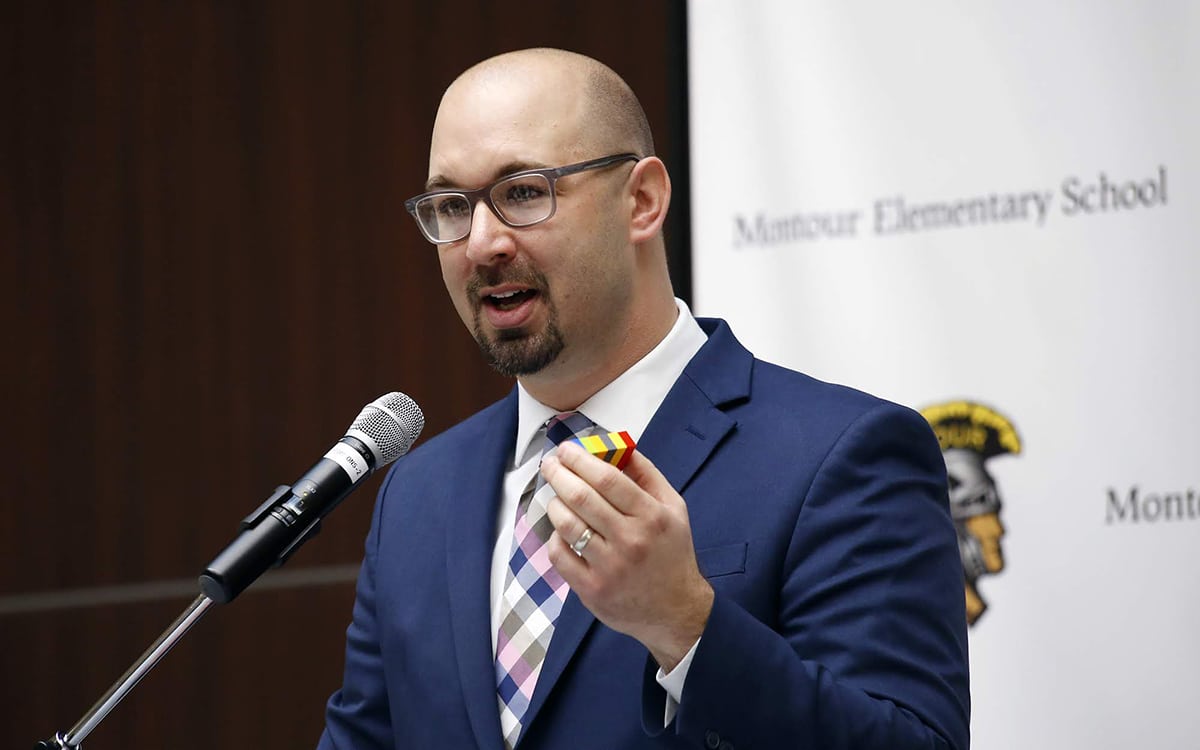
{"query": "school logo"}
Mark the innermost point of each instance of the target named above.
(970, 434)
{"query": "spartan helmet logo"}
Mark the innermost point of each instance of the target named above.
(970, 434)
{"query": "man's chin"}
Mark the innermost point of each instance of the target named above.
(505, 335)
(515, 352)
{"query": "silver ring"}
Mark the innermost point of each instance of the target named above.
(582, 541)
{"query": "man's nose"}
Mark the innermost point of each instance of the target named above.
(490, 240)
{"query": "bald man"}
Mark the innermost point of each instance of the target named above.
(775, 566)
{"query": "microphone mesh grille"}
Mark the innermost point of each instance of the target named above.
(389, 424)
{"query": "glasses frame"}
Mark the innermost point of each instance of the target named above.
(473, 197)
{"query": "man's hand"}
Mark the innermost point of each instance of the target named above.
(638, 572)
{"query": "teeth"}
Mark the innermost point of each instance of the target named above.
(505, 295)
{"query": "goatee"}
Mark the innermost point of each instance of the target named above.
(517, 351)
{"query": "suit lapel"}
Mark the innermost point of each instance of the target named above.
(692, 420)
(681, 438)
(684, 432)
(470, 537)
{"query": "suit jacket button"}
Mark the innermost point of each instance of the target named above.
(726, 745)
(712, 740)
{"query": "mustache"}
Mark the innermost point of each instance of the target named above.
(485, 277)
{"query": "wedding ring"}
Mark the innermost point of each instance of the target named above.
(582, 542)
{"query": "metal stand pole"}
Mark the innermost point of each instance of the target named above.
(72, 739)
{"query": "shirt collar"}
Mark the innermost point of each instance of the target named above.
(628, 402)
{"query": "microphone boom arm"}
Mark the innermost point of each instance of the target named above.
(383, 431)
(96, 714)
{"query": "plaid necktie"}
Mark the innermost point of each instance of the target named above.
(534, 592)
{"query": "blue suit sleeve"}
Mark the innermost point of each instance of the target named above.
(356, 716)
(869, 649)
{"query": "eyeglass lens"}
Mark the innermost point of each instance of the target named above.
(520, 200)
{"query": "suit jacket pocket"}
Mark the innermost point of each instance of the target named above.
(729, 559)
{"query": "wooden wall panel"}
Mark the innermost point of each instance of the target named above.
(208, 270)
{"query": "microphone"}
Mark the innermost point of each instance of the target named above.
(383, 431)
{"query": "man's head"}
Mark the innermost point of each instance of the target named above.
(569, 303)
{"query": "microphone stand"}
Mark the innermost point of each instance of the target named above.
(383, 431)
(72, 739)
(268, 537)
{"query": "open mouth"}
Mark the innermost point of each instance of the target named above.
(509, 300)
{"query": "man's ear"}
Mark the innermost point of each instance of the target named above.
(650, 187)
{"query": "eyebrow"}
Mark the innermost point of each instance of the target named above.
(441, 182)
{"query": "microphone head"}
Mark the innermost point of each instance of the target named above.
(389, 426)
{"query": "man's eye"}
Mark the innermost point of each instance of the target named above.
(452, 207)
(523, 193)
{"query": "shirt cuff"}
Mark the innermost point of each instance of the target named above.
(673, 683)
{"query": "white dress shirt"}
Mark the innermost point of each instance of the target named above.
(627, 403)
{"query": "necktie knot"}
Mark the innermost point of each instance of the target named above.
(565, 426)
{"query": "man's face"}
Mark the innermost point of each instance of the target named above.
(545, 298)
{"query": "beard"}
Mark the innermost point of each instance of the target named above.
(518, 351)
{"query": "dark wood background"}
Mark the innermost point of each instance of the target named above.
(208, 270)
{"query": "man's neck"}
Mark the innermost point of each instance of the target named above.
(559, 388)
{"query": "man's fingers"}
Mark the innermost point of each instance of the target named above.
(575, 533)
(580, 498)
(607, 484)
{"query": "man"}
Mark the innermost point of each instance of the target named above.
(776, 566)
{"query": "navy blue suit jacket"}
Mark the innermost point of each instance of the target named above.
(819, 516)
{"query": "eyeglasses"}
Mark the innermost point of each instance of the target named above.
(519, 200)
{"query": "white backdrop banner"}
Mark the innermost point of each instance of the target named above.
(988, 211)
